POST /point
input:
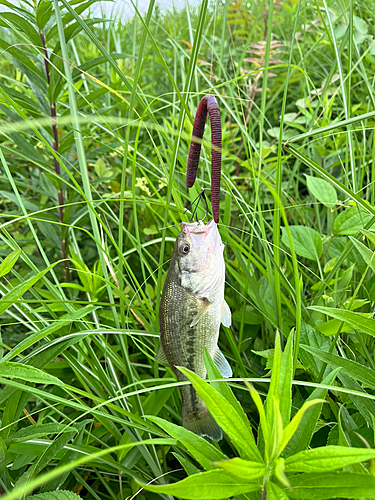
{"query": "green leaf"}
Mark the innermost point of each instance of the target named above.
(243, 468)
(38, 430)
(274, 492)
(327, 458)
(285, 381)
(223, 387)
(307, 242)
(328, 485)
(55, 495)
(302, 437)
(322, 190)
(211, 485)
(227, 417)
(28, 373)
(9, 298)
(352, 368)
(291, 428)
(358, 321)
(367, 255)
(203, 451)
(351, 220)
(9, 262)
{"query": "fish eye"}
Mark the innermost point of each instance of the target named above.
(184, 249)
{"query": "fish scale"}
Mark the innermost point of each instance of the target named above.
(192, 307)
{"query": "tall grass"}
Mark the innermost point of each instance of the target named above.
(96, 122)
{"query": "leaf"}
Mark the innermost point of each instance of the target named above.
(9, 369)
(291, 428)
(359, 321)
(55, 495)
(322, 190)
(203, 451)
(351, 220)
(367, 255)
(327, 458)
(228, 418)
(38, 430)
(352, 368)
(243, 468)
(274, 492)
(211, 485)
(9, 298)
(302, 437)
(9, 262)
(223, 387)
(328, 485)
(285, 380)
(307, 242)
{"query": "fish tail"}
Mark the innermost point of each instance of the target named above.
(201, 422)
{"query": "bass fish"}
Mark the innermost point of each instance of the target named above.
(191, 309)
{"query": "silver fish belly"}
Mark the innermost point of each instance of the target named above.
(191, 310)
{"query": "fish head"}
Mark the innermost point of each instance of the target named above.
(199, 253)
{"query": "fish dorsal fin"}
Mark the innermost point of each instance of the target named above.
(222, 364)
(160, 355)
(226, 315)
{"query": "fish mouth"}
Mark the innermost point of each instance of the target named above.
(202, 235)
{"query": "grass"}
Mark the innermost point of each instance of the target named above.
(96, 121)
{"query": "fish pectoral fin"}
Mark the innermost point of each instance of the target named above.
(201, 312)
(222, 364)
(226, 315)
(160, 355)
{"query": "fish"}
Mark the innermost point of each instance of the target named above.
(192, 307)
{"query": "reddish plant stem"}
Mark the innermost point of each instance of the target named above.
(208, 104)
(56, 165)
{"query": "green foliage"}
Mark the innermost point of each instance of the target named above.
(238, 475)
(96, 116)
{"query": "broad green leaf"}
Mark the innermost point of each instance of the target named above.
(38, 430)
(351, 220)
(9, 369)
(285, 381)
(327, 458)
(243, 468)
(227, 417)
(302, 436)
(8, 262)
(359, 321)
(211, 485)
(274, 492)
(291, 428)
(351, 368)
(273, 392)
(322, 190)
(365, 406)
(307, 242)
(189, 468)
(55, 495)
(9, 298)
(203, 451)
(367, 255)
(328, 485)
(266, 433)
(223, 387)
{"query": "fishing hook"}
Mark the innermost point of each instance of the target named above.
(208, 104)
(201, 196)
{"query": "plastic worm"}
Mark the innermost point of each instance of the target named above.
(208, 104)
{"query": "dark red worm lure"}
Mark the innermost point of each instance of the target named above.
(208, 104)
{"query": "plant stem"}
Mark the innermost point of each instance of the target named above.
(56, 165)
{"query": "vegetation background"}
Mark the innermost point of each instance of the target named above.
(96, 120)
